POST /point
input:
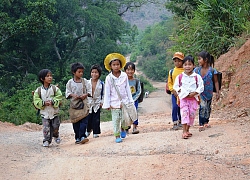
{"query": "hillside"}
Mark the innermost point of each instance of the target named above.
(235, 68)
(147, 15)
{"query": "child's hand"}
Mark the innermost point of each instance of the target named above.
(48, 103)
(83, 96)
(175, 93)
(217, 96)
(74, 96)
(192, 94)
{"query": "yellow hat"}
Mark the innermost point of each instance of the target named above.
(112, 56)
(178, 55)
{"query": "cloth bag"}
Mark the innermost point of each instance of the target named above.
(129, 112)
(79, 108)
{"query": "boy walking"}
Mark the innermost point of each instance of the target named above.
(77, 90)
(47, 98)
(135, 89)
(178, 69)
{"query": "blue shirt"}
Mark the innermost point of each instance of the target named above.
(207, 94)
(135, 91)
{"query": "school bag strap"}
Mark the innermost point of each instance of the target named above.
(39, 90)
(171, 74)
(181, 75)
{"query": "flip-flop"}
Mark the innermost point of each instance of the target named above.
(207, 126)
(201, 128)
(184, 136)
(189, 134)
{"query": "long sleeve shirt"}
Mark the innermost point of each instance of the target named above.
(48, 94)
(188, 84)
(97, 96)
(111, 98)
(171, 78)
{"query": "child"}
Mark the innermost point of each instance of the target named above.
(135, 89)
(114, 62)
(178, 69)
(208, 75)
(95, 101)
(78, 88)
(47, 98)
(188, 85)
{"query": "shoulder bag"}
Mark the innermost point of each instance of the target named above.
(79, 108)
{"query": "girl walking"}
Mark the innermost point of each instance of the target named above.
(209, 75)
(188, 85)
(114, 62)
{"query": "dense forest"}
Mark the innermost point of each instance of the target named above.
(52, 34)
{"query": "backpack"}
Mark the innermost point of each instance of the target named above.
(167, 88)
(140, 99)
(196, 80)
(219, 76)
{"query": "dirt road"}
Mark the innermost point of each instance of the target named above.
(221, 152)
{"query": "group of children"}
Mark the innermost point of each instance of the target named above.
(99, 95)
(192, 88)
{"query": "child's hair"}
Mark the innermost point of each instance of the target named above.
(115, 60)
(42, 74)
(98, 68)
(129, 65)
(207, 57)
(76, 66)
(188, 58)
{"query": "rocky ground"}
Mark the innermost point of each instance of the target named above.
(221, 152)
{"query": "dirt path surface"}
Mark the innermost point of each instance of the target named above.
(221, 152)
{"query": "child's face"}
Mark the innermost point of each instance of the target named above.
(79, 73)
(94, 74)
(201, 61)
(177, 63)
(115, 65)
(130, 72)
(188, 67)
(48, 79)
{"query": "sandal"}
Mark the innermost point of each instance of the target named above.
(201, 128)
(189, 134)
(207, 125)
(184, 136)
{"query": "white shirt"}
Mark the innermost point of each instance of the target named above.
(111, 97)
(188, 85)
(96, 99)
(77, 88)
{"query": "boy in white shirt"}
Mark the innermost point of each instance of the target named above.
(78, 89)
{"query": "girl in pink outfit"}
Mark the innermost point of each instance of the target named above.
(188, 85)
